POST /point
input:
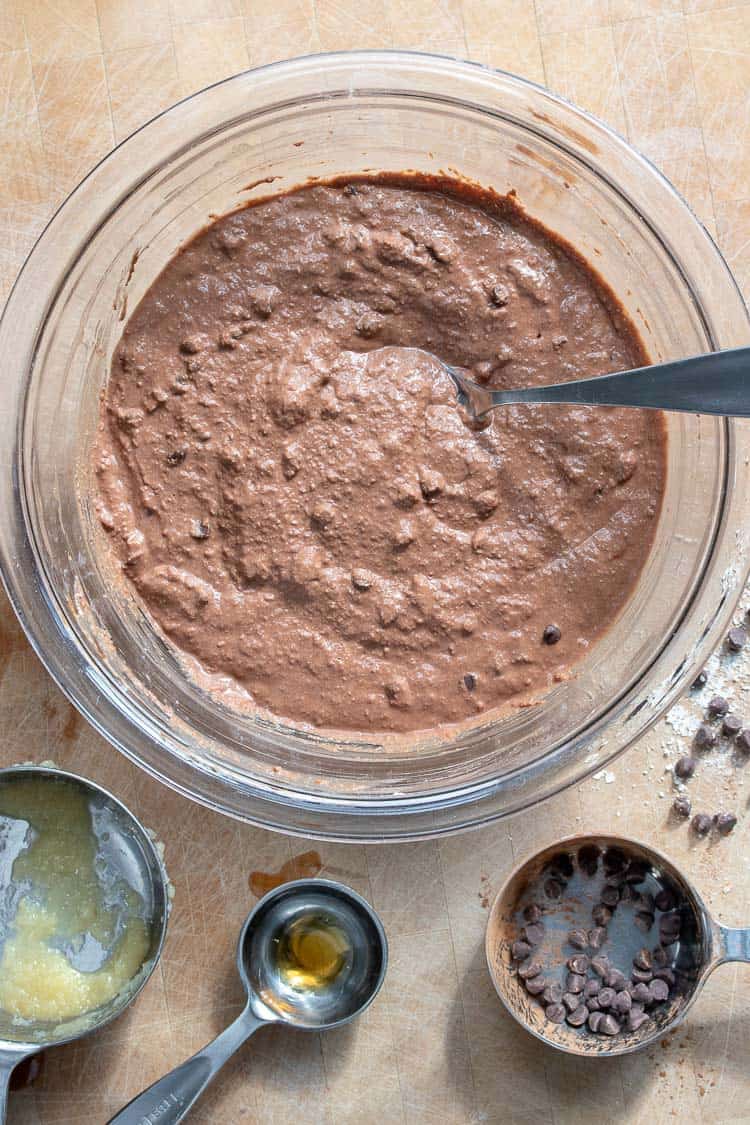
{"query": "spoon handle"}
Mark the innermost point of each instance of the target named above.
(734, 944)
(716, 383)
(171, 1097)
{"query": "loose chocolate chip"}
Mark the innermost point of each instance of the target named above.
(553, 888)
(643, 959)
(176, 457)
(743, 741)
(578, 964)
(551, 634)
(666, 899)
(636, 1018)
(535, 986)
(556, 1013)
(571, 1001)
(665, 974)
(637, 871)
(610, 895)
(623, 1002)
(717, 706)
(563, 864)
(615, 979)
(642, 975)
(684, 767)
(470, 681)
(578, 1017)
(606, 997)
(700, 681)
(670, 923)
(659, 990)
(553, 993)
(533, 933)
(591, 988)
(731, 726)
(725, 822)
(532, 969)
(597, 937)
(736, 639)
(592, 1003)
(588, 859)
(595, 1020)
(701, 824)
(609, 1026)
(615, 861)
(646, 902)
(681, 806)
(705, 738)
(641, 993)
(643, 920)
(532, 912)
(601, 914)
(601, 966)
(628, 893)
(574, 982)
(659, 956)
(520, 950)
(579, 939)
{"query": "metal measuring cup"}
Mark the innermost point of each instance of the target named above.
(703, 945)
(131, 853)
(270, 998)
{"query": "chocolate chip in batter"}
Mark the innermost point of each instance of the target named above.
(176, 457)
(199, 529)
(470, 681)
(551, 634)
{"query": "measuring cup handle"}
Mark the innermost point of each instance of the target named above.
(9, 1060)
(733, 944)
(171, 1097)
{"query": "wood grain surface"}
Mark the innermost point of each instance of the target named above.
(672, 75)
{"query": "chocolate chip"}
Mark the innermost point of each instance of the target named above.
(641, 993)
(556, 1013)
(705, 738)
(176, 457)
(553, 888)
(610, 895)
(609, 1026)
(533, 933)
(532, 912)
(642, 975)
(499, 296)
(743, 741)
(660, 957)
(601, 914)
(199, 529)
(536, 985)
(731, 726)
(628, 893)
(636, 1018)
(736, 639)
(553, 993)
(701, 824)
(574, 982)
(665, 974)
(361, 579)
(562, 863)
(643, 959)
(520, 950)
(606, 997)
(666, 899)
(470, 681)
(659, 990)
(646, 902)
(592, 1003)
(579, 939)
(681, 806)
(595, 1020)
(571, 1001)
(601, 966)
(615, 979)
(578, 1017)
(700, 681)
(725, 822)
(684, 767)
(643, 920)
(615, 860)
(532, 969)
(637, 871)
(623, 1002)
(551, 634)
(591, 988)
(717, 706)
(588, 859)
(578, 964)
(597, 937)
(670, 923)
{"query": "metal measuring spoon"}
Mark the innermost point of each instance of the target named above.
(128, 853)
(271, 998)
(714, 383)
(703, 944)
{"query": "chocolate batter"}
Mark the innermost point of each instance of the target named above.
(319, 522)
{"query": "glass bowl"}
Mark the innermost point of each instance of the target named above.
(266, 130)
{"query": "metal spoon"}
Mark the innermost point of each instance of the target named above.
(271, 996)
(703, 943)
(715, 383)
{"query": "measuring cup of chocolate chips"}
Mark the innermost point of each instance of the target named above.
(598, 945)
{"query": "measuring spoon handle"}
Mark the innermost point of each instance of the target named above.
(734, 943)
(171, 1097)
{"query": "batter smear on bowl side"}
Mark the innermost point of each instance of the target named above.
(320, 523)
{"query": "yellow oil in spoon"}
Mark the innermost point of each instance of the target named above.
(311, 952)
